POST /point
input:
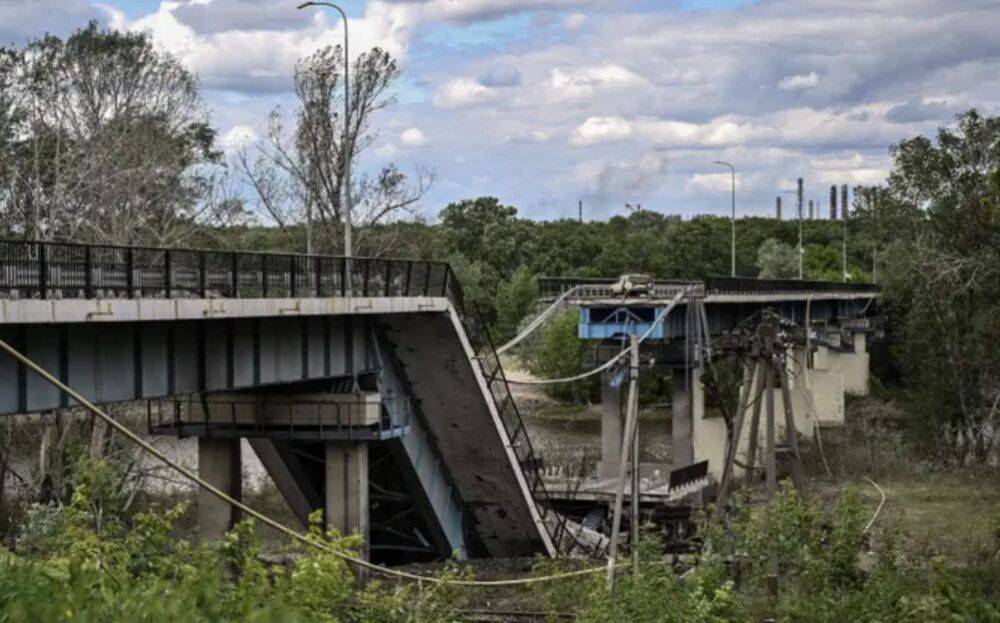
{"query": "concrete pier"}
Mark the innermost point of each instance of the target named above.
(347, 487)
(219, 464)
(611, 428)
(683, 415)
(856, 365)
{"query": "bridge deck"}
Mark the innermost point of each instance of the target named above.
(227, 320)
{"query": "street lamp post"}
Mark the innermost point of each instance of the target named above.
(346, 190)
(732, 171)
(801, 251)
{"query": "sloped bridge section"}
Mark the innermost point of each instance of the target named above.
(206, 334)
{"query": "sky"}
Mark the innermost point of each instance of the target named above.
(544, 103)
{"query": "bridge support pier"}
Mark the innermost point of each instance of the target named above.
(803, 382)
(347, 488)
(611, 428)
(855, 365)
(827, 385)
(219, 464)
(687, 406)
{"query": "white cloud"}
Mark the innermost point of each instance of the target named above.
(797, 82)
(575, 84)
(237, 137)
(259, 56)
(712, 182)
(574, 21)
(596, 130)
(388, 150)
(465, 11)
(412, 137)
(462, 92)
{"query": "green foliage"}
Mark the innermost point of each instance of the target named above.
(936, 228)
(559, 354)
(515, 299)
(98, 566)
(777, 260)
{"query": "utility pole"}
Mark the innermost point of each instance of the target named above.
(625, 460)
(843, 216)
(801, 251)
(636, 494)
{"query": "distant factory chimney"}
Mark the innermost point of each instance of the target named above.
(777, 208)
(810, 209)
(843, 202)
(833, 203)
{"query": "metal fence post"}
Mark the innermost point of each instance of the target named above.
(88, 279)
(43, 269)
(234, 273)
(292, 271)
(166, 273)
(263, 276)
(202, 277)
(129, 276)
(343, 277)
(316, 275)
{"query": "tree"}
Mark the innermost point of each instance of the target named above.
(515, 299)
(559, 354)
(107, 140)
(777, 260)
(942, 284)
(465, 223)
(299, 175)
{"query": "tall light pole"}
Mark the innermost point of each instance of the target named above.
(798, 195)
(345, 147)
(732, 253)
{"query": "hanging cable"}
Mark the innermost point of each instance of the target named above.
(537, 321)
(608, 364)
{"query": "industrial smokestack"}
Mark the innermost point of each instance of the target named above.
(810, 209)
(777, 208)
(833, 203)
(843, 202)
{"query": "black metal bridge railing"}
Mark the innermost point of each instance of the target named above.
(42, 270)
(67, 270)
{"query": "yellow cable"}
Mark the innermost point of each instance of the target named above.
(264, 518)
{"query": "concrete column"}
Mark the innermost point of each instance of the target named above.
(804, 405)
(856, 366)
(219, 464)
(347, 487)
(827, 385)
(682, 417)
(611, 428)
